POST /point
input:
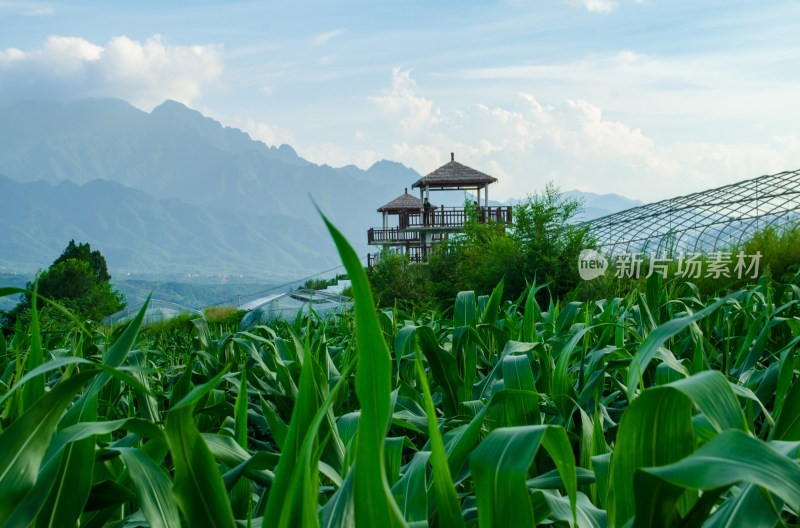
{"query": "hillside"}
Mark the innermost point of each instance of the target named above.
(141, 235)
(172, 192)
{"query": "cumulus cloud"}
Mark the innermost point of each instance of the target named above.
(400, 104)
(526, 143)
(143, 73)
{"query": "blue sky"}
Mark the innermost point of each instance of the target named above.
(648, 99)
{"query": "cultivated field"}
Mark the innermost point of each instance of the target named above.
(663, 408)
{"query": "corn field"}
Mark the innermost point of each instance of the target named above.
(658, 409)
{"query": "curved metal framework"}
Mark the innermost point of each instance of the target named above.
(706, 221)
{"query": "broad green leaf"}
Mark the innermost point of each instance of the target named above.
(465, 309)
(489, 314)
(197, 484)
(448, 507)
(73, 482)
(787, 427)
(410, 491)
(279, 504)
(725, 460)
(374, 504)
(152, 489)
(655, 429)
(500, 466)
(240, 497)
(35, 389)
(443, 367)
(522, 409)
(712, 394)
(24, 443)
(114, 357)
(660, 335)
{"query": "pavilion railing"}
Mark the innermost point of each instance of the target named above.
(453, 217)
(398, 237)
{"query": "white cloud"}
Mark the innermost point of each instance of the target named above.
(600, 6)
(526, 143)
(411, 113)
(26, 8)
(323, 38)
(271, 135)
(143, 73)
(333, 154)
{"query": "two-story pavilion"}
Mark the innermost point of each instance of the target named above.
(418, 230)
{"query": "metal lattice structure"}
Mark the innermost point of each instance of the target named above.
(706, 221)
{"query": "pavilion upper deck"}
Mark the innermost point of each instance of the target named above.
(436, 222)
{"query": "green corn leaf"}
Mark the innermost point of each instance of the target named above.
(256, 467)
(563, 392)
(655, 429)
(410, 491)
(280, 505)
(459, 442)
(24, 443)
(586, 514)
(443, 367)
(751, 507)
(660, 335)
(482, 389)
(277, 427)
(500, 466)
(531, 309)
(713, 395)
(58, 363)
(374, 504)
(73, 482)
(393, 447)
(449, 510)
(197, 485)
(339, 511)
(147, 402)
(725, 460)
(489, 314)
(152, 489)
(521, 409)
(787, 427)
(114, 357)
(35, 389)
(465, 313)
(240, 497)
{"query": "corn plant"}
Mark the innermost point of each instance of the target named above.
(663, 408)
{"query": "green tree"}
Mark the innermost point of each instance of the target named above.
(83, 252)
(550, 239)
(78, 280)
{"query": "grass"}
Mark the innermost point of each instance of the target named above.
(667, 406)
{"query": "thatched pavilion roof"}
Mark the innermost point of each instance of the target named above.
(404, 202)
(454, 175)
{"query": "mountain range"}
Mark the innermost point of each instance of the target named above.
(174, 192)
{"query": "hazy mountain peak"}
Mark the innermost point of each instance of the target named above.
(287, 149)
(170, 105)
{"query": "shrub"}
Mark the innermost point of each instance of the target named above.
(395, 281)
